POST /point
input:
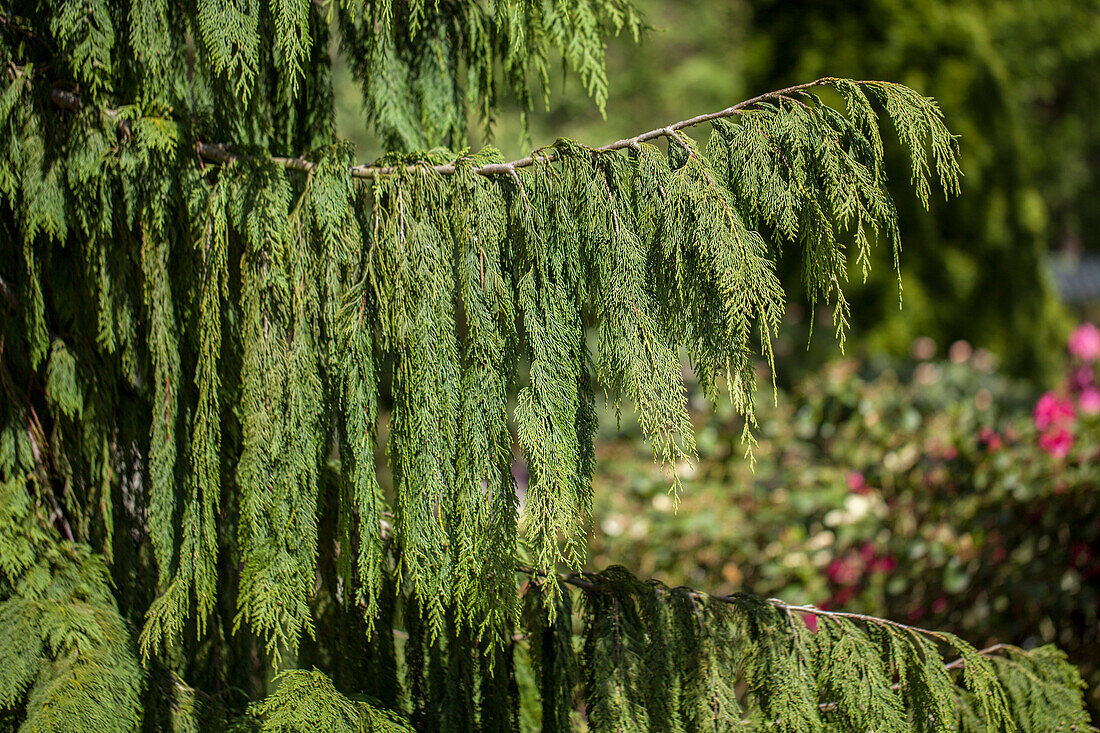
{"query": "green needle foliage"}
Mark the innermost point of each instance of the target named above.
(307, 701)
(213, 319)
(659, 658)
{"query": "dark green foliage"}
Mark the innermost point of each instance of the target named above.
(851, 673)
(204, 340)
(553, 658)
(424, 66)
(68, 660)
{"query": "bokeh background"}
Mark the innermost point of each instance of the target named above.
(944, 471)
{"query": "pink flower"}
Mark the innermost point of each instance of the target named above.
(1057, 441)
(842, 572)
(1089, 401)
(1081, 378)
(885, 564)
(991, 439)
(842, 596)
(856, 483)
(1084, 342)
(1052, 410)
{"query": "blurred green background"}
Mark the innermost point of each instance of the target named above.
(910, 478)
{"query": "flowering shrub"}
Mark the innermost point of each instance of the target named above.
(935, 492)
(1055, 415)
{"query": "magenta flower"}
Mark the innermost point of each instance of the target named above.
(990, 438)
(1052, 410)
(843, 571)
(1081, 378)
(1084, 342)
(885, 564)
(857, 484)
(1089, 401)
(1057, 441)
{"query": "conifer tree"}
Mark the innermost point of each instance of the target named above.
(214, 320)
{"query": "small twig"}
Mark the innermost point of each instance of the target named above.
(814, 610)
(41, 452)
(988, 651)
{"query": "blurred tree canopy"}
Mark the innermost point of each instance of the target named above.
(1020, 78)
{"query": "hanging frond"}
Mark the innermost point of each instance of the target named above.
(305, 701)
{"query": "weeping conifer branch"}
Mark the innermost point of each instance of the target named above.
(197, 363)
(666, 250)
(915, 135)
(659, 658)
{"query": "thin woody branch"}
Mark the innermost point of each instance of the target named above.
(218, 153)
